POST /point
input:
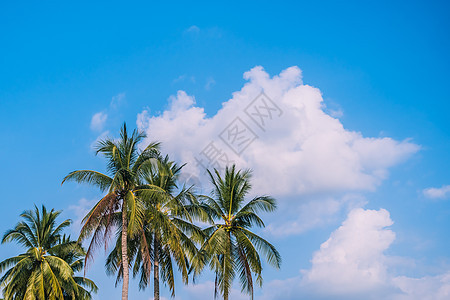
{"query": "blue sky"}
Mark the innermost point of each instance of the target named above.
(382, 71)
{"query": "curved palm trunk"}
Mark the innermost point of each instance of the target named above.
(125, 251)
(156, 268)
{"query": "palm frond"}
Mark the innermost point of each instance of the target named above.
(94, 178)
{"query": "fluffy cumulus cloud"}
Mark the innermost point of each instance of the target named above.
(281, 129)
(284, 135)
(437, 193)
(352, 264)
(352, 260)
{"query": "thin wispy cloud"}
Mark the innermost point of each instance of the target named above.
(193, 29)
(437, 193)
(195, 32)
(210, 82)
(117, 101)
(98, 121)
(184, 78)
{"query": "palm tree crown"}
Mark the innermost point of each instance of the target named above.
(46, 270)
(231, 247)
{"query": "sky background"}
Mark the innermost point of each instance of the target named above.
(358, 160)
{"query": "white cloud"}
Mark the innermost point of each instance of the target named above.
(425, 288)
(299, 154)
(302, 151)
(437, 193)
(352, 264)
(183, 78)
(98, 121)
(352, 260)
(117, 101)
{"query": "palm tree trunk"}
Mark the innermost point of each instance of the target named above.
(125, 251)
(227, 256)
(156, 268)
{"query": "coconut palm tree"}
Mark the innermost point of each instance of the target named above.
(46, 269)
(231, 247)
(124, 165)
(167, 234)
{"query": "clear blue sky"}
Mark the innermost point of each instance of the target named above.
(384, 64)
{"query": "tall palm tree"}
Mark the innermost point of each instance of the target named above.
(46, 270)
(167, 234)
(231, 247)
(125, 164)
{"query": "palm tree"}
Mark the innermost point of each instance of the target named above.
(167, 233)
(230, 246)
(46, 270)
(125, 164)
